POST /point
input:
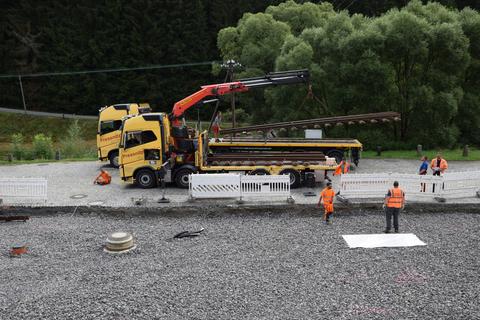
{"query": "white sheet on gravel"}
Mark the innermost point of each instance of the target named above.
(382, 240)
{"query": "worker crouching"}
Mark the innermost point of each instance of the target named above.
(394, 202)
(326, 196)
(103, 178)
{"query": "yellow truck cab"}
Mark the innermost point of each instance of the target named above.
(109, 128)
(151, 149)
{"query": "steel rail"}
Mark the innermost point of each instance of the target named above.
(319, 122)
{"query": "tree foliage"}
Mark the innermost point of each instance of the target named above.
(421, 60)
(349, 46)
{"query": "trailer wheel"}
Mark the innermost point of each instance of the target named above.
(259, 172)
(146, 179)
(113, 158)
(295, 178)
(182, 178)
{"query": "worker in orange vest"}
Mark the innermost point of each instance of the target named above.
(343, 167)
(327, 196)
(103, 178)
(439, 165)
(394, 202)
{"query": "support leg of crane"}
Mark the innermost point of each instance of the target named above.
(290, 200)
(163, 199)
(240, 201)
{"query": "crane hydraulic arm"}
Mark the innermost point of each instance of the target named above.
(214, 90)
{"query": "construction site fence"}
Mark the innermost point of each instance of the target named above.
(23, 190)
(451, 185)
(225, 185)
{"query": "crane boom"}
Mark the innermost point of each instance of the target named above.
(243, 85)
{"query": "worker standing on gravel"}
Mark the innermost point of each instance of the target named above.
(439, 165)
(327, 196)
(103, 178)
(424, 166)
(423, 171)
(394, 202)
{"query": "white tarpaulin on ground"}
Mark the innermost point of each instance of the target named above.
(382, 240)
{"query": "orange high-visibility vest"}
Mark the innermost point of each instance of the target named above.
(443, 164)
(106, 177)
(327, 195)
(396, 198)
(346, 168)
(338, 169)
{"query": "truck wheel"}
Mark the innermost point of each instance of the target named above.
(337, 154)
(259, 172)
(146, 179)
(113, 158)
(182, 178)
(294, 177)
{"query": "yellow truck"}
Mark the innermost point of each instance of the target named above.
(109, 128)
(149, 152)
(156, 146)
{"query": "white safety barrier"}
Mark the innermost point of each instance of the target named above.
(214, 185)
(461, 184)
(376, 185)
(225, 185)
(23, 190)
(265, 186)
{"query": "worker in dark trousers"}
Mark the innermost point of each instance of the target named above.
(327, 196)
(439, 166)
(394, 202)
(423, 171)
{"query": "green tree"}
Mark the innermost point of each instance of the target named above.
(416, 60)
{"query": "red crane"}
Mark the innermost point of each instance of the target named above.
(215, 90)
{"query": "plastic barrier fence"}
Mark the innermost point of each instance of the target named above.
(461, 184)
(214, 185)
(260, 186)
(23, 190)
(226, 185)
(416, 187)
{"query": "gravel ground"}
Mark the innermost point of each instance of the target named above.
(74, 178)
(281, 265)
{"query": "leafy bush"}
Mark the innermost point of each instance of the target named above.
(72, 145)
(17, 146)
(42, 146)
(240, 116)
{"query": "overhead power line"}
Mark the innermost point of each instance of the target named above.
(67, 73)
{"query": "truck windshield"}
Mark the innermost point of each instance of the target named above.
(136, 138)
(110, 126)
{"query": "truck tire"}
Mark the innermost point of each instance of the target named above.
(113, 158)
(337, 154)
(146, 179)
(181, 177)
(259, 172)
(295, 179)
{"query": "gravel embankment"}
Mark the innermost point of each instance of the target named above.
(246, 266)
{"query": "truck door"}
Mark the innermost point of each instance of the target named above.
(141, 148)
(108, 135)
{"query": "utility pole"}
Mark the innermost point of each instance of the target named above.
(230, 66)
(23, 95)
